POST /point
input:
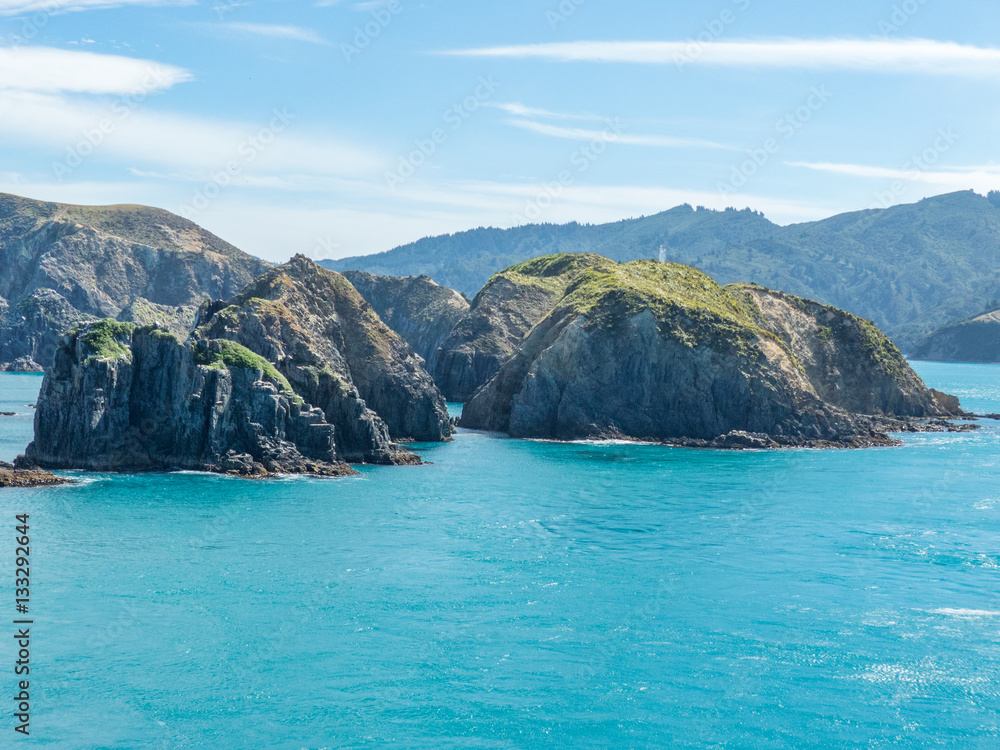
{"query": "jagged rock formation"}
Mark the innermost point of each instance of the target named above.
(335, 351)
(119, 398)
(503, 312)
(661, 352)
(295, 374)
(69, 264)
(975, 339)
(416, 308)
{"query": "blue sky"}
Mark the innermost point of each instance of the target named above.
(338, 127)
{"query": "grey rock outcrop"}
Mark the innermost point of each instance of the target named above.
(848, 361)
(326, 339)
(416, 308)
(124, 399)
(502, 314)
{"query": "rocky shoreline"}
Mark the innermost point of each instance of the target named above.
(880, 436)
(11, 476)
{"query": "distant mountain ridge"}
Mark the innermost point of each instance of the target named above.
(910, 268)
(66, 264)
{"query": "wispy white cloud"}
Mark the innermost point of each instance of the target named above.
(291, 33)
(191, 145)
(925, 56)
(364, 5)
(519, 110)
(981, 178)
(371, 4)
(612, 136)
(45, 69)
(54, 7)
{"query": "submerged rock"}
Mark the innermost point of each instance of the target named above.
(14, 477)
(661, 352)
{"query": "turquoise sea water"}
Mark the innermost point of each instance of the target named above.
(524, 595)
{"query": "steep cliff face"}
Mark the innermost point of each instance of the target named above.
(416, 308)
(334, 350)
(661, 352)
(848, 361)
(119, 398)
(503, 312)
(68, 264)
(974, 340)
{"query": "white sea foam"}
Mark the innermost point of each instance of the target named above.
(954, 612)
(82, 480)
(921, 676)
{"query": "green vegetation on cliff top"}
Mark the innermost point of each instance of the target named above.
(688, 305)
(108, 339)
(552, 273)
(663, 288)
(225, 352)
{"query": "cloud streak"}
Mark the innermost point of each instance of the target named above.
(981, 178)
(45, 69)
(924, 56)
(55, 7)
(290, 33)
(584, 134)
(194, 145)
(520, 110)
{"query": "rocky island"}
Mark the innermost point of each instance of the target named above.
(661, 352)
(275, 380)
(297, 373)
(976, 339)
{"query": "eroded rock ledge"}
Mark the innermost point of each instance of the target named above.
(14, 477)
